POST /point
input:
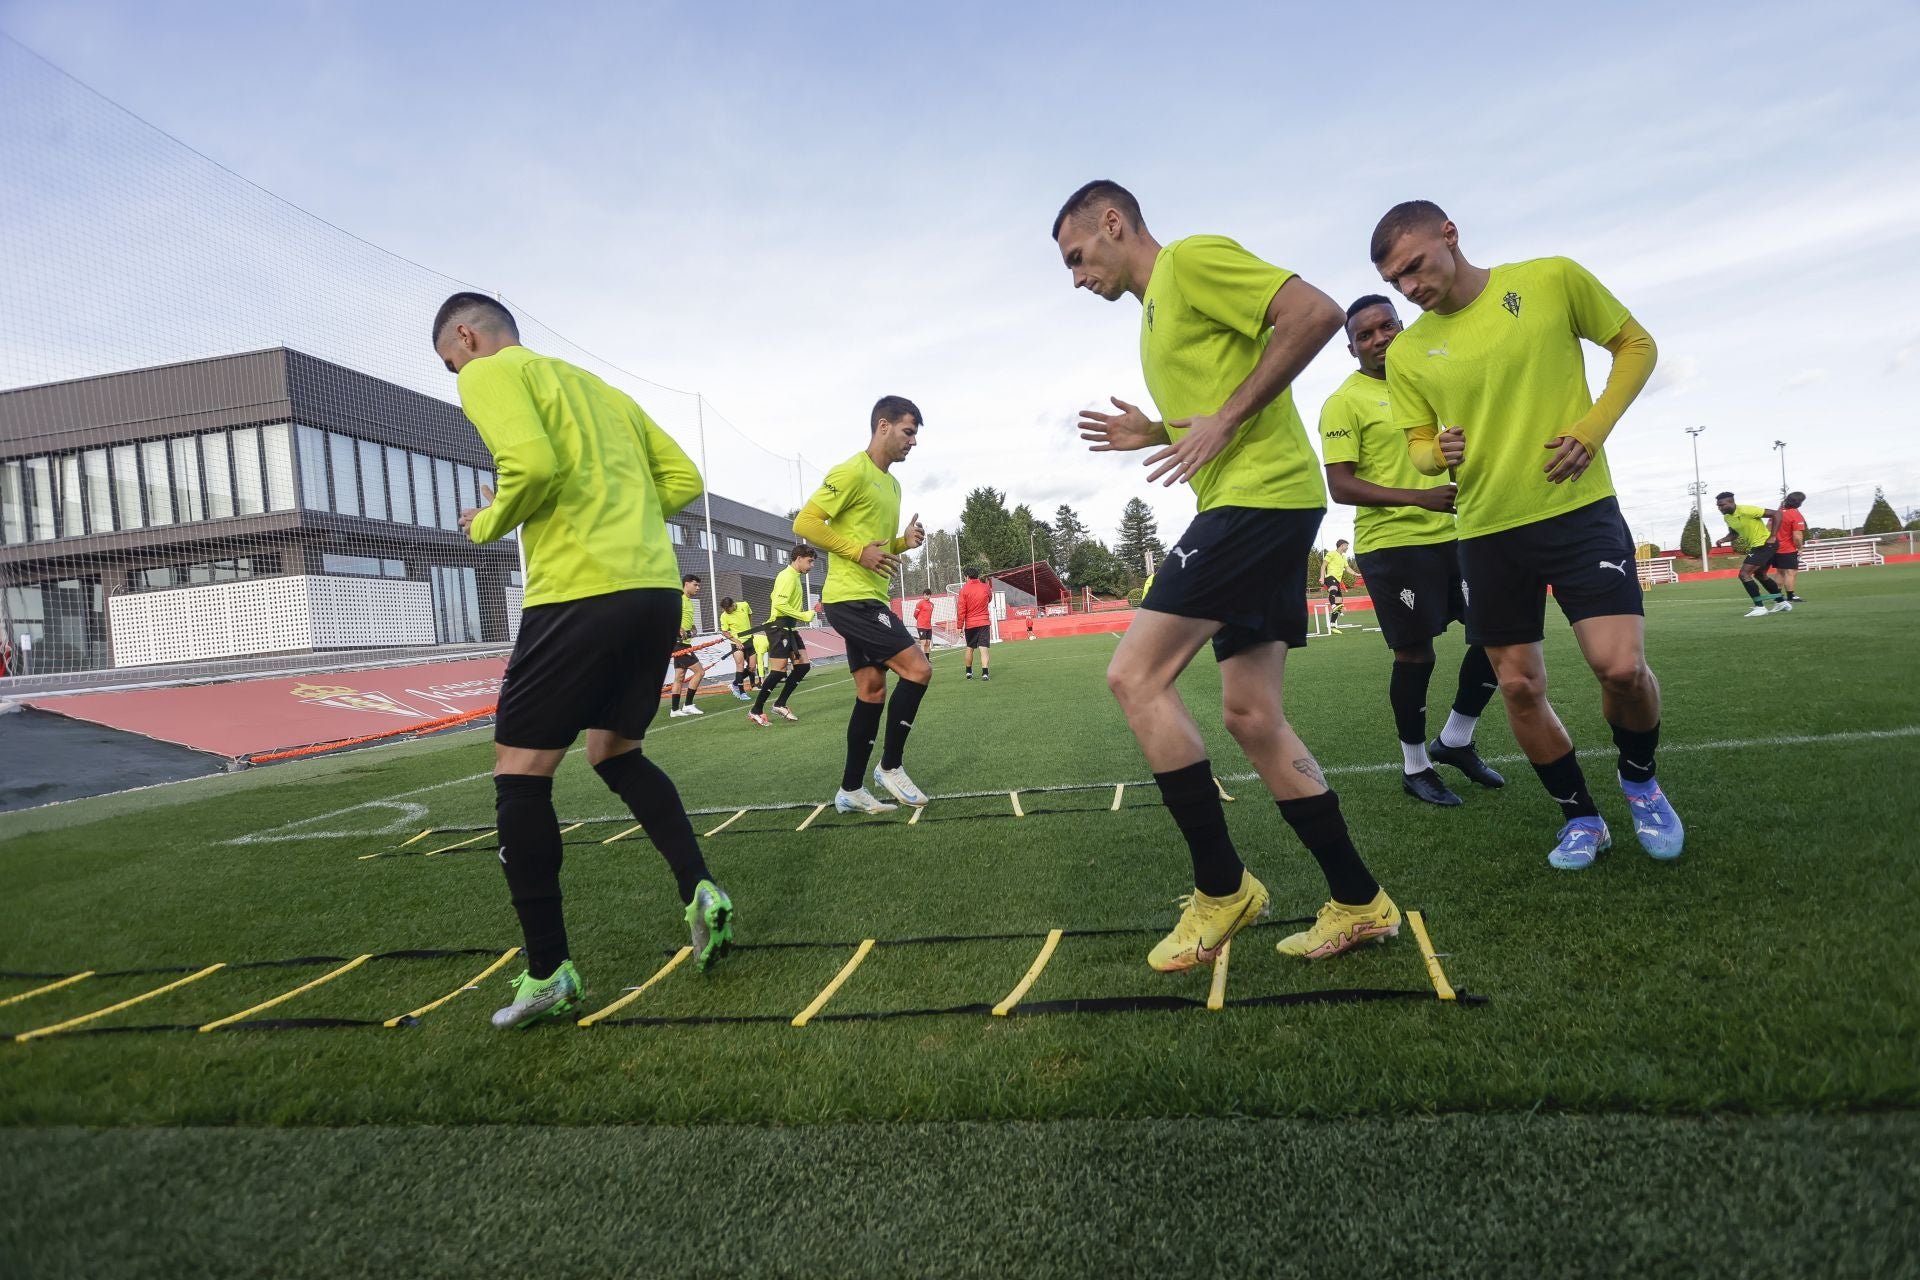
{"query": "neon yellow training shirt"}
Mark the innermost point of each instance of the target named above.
(1203, 326)
(1356, 427)
(736, 621)
(686, 614)
(1509, 369)
(790, 596)
(585, 475)
(1334, 565)
(1751, 524)
(862, 504)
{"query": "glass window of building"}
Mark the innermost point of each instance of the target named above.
(159, 494)
(346, 492)
(39, 486)
(189, 499)
(363, 566)
(249, 486)
(93, 466)
(126, 486)
(464, 477)
(312, 444)
(736, 546)
(276, 449)
(13, 503)
(399, 491)
(219, 474)
(443, 487)
(676, 534)
(760, 551)
(701, 540)
(373, 482)
(422, 489)
(73, 515)
(393, 568)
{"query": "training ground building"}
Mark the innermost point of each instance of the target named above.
(273, 503)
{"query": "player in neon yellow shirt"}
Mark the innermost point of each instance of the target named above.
(688, 671)
(1403, 522)
(786, 652)
(589, 480)
(1490, 384)
(736, 621)
(1333, 577)
(1754, 527)
(1223, 334)
(855, 515)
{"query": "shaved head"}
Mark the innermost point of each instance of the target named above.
(476, 311)
(1096, 197)
(1409, 215)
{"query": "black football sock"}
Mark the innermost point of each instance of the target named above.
(1568, 787)
(795, 675)
(1478, 684)
(900, 712)
(1193, 798)
(1637, 747)
(767, 686)
(530, 854)
(1321, 826)
(1773, 587)
(654, 801)
(861, 727)
(676, 700)
(1753, 588)
(1407, 691)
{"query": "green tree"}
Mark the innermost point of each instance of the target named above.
(1039, 546)
(1092, 565)
(1880, 518)
(1690, 534)
(1139, 534)
(1068, 532)
(986, 536)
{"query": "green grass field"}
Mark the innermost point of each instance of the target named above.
(1709, 1065)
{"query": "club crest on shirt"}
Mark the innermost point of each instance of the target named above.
(1149, 315)
(1511, 302)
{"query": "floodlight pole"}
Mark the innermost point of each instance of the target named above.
(706, 500)
(1780, 447)
(1699, 492)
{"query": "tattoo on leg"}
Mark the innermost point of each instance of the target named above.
(1306, 767)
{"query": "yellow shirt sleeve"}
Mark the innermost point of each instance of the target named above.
(1223, 281)
(1339, 433)
(1415, 416)
(1634, 356)
(675, 478)
(500, 406)
(811, 524)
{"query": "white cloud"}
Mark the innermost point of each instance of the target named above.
(1806, 378)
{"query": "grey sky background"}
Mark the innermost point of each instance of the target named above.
(794, 210)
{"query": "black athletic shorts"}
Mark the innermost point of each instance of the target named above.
(1585, 555)
(1786, 559)
(873, 632)
(1762, 556)
(979, 637)
(684, 661)
(1333, 586)
(1245, 567)
(926, 633)
(587, 664)
(1415, 591)
(785, 642)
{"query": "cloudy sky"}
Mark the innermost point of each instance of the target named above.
(794, 209)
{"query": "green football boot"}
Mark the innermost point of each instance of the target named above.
(537, 998)
(710, 921)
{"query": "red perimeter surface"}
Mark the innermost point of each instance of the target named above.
(247, 717)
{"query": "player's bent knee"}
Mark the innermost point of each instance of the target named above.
(1252, 722)
(1523, 688)
(1624, 679)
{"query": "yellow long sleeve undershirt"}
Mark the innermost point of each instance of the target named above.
(811, 524)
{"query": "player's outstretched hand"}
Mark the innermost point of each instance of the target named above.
(876, 557)
(1206, 436)
(1453, 446)
(1119, 432)
(1438, 498)
(1570, 460)
(916, 534)
(466, 516)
